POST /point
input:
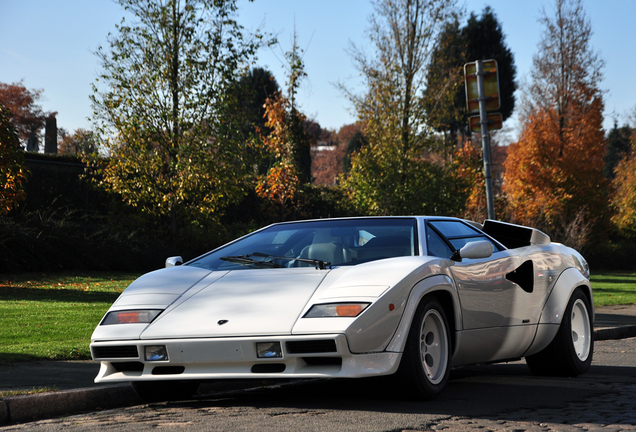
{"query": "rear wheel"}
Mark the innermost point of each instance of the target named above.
(158, 391)
(570, 353)
(425, 365)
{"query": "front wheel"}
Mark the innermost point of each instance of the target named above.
(425, 365)
(570, 353)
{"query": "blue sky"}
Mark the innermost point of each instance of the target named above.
(50, 43)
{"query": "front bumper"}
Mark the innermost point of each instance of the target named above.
(318, 356)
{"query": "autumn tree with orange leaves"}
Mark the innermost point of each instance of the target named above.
(281, 181)
(27, 115)
(623, 200)
(554, 174)
(288, 141)
(12, 170)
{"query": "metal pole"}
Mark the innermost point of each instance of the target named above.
(485, 139)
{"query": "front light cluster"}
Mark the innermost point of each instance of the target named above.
(268, 350)
(131, 316)
(336, 310)
(586, 269)
(155, 353)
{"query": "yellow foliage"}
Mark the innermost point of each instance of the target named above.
(623, 199)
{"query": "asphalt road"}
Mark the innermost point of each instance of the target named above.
(495, 397)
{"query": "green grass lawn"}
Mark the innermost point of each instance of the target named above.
(52, 316)
(614, 288)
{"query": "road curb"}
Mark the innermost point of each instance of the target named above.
(20, 409)
(612, 333)
(4, 413)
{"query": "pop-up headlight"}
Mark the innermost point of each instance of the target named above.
(336, 310)
(131, 316)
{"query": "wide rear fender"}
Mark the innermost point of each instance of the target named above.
(552, 313)
(440, 284)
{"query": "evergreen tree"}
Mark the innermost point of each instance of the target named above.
(485, 40)
(354, 145)
(482, 38)
(444, 96)
(253, 89)
(618, 146)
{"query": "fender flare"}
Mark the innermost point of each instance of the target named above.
(437, 283)
(554, 308)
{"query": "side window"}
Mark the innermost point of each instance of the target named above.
(436, 246)
(459, 234)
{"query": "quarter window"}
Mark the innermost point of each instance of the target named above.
(457, 235)
(436, 246)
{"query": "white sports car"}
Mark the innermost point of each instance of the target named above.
(355, 297)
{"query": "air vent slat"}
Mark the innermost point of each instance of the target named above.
(124, 351)
(311, 346)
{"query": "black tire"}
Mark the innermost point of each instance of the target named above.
(425, 365)
(570, 353)
(159, 391)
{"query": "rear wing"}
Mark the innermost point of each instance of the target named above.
(515, 236)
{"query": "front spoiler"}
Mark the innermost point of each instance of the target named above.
(235, 358)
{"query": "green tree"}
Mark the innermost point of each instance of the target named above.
(163, 105)
(618, 146)
(403, 33)
(390, 175)
(482, 38)
(485, 40)
(355, 144)
(444, 99)
(252, 91)
(82, 142)
(377, 185)
(12, 170)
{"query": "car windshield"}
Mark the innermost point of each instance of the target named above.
(317, 243)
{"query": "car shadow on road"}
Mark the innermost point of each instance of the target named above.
(502, 392)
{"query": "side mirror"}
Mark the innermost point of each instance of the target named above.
(174, 261)
(474, 250)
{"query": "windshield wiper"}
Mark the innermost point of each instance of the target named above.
(319, 264)
(248, 260)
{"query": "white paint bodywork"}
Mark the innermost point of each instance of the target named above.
(212, 320)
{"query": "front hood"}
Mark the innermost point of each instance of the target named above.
(162, 287)
(241, 303)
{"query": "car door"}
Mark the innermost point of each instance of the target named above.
(494, 321)
(485, 293)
